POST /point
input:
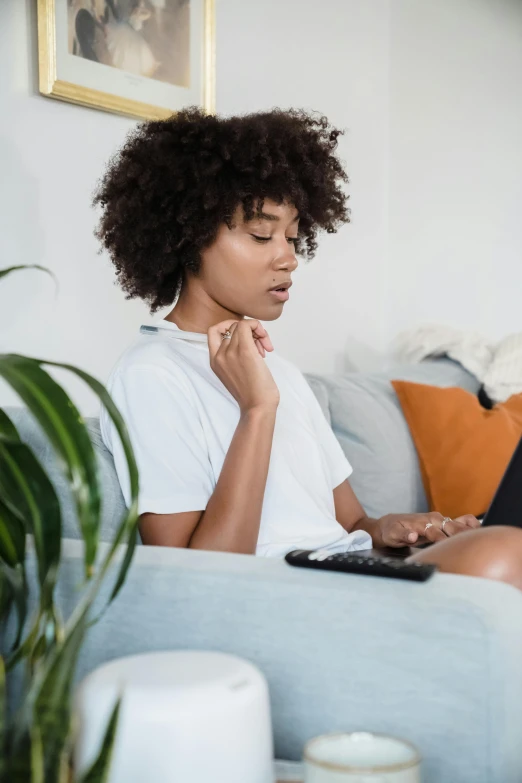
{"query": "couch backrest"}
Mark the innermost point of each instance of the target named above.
(364, 413)
(367, 419)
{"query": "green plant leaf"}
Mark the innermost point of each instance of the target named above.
(13, 584)
(6, 599)
(26, 648)
(106, 400)
(127, 559)
(49, 695)
(47, 630)
(130, 521)
(48, 701)
(132, 514)
(12, 536)
(53, 701)
(18, 586)
(7, 428)
(66, 430)
(32, 498)
(28, 495)
(99, 771)
(37, 756)
(5, 272)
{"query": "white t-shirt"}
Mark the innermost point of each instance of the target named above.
(181, 420)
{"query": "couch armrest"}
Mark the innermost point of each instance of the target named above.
(437, 662)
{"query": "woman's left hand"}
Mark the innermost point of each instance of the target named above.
(398, 530)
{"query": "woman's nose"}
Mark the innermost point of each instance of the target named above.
(287, 259)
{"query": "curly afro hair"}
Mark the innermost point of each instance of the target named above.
(175, 181)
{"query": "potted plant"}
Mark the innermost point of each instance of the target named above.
(36, 738)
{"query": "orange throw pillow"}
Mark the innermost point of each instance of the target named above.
(463, 448)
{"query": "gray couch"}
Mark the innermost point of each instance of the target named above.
(438, 663)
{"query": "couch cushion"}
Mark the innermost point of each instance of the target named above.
(367, 419)
(463, 448)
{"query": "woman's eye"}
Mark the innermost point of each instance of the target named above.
(292, 240)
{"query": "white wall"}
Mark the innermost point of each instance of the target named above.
(456, 165)
(334, 60)
(429, 94)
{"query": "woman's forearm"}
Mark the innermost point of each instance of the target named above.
(231, 519)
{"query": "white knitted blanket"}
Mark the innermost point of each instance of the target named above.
(498, 366)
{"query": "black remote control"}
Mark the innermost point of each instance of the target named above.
(357, 563)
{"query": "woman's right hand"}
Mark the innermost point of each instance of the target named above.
(239, 365)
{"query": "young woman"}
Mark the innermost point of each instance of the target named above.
(233, 449)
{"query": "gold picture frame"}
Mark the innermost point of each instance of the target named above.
(54, 87)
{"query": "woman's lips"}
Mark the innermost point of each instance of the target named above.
(282, 295)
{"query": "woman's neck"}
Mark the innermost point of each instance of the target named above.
(196, 311)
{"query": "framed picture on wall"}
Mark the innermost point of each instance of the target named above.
(141, 58)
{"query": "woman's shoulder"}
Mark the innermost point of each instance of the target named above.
(147, 357)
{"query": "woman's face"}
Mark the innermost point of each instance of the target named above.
(245, 263)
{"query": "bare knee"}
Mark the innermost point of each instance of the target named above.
(491, 553)
(499, 554)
